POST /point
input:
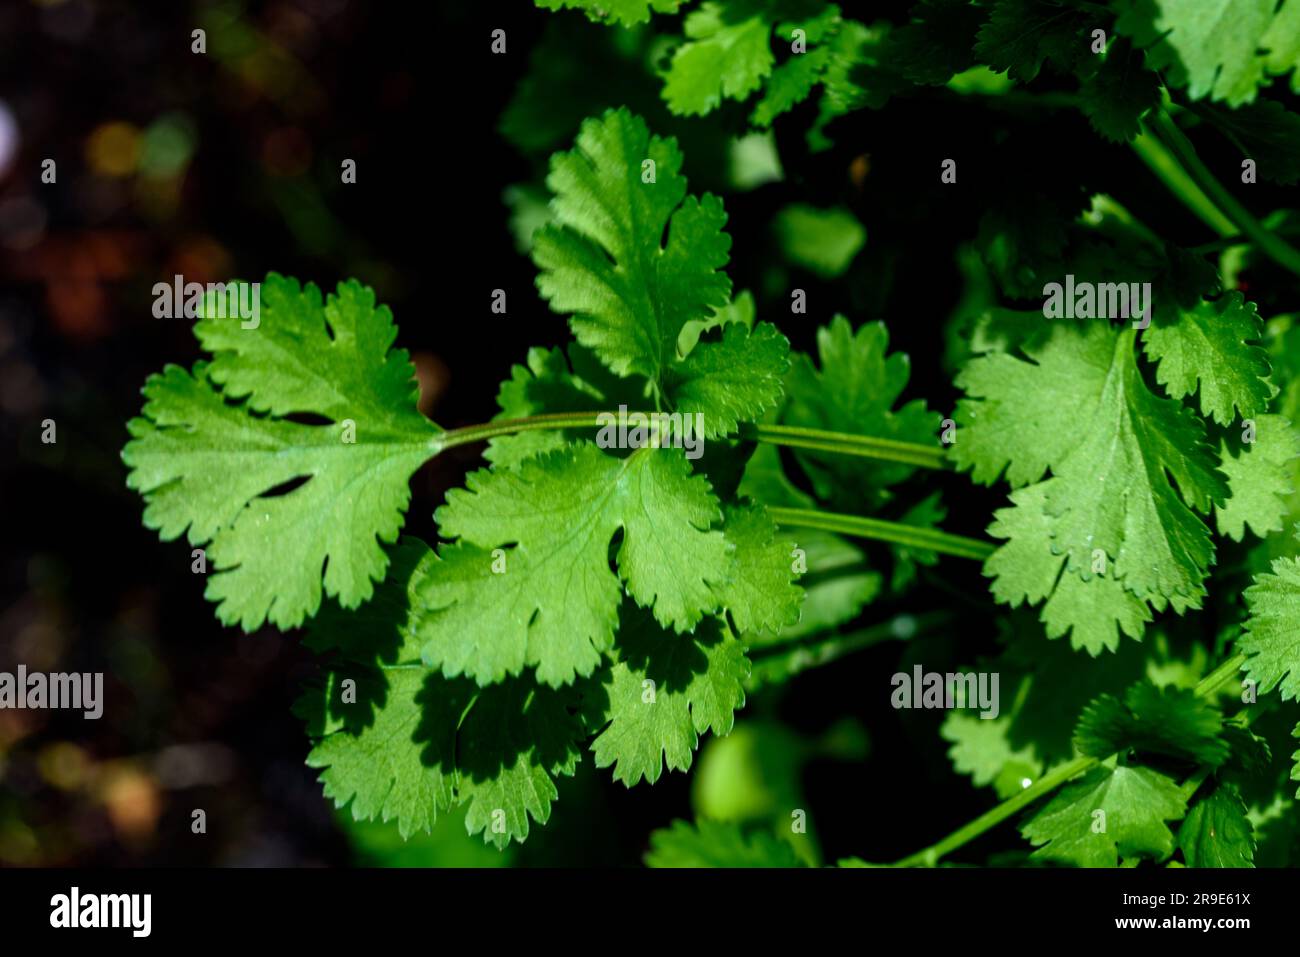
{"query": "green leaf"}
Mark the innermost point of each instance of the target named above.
(1217, 832)
(927, 513)
(625, 12)
(823, 241)
(982, 749)
(1215, 344)
(860, 75)
(1271, 638)
(664, 691)
(1134, 804)
(1093, 610)
(1043, 689)
(1259, 479)
(760, 593)
(403, 743)
(216, 469)
(713, 844)
(529, 580)
(790, 84)
(1021, 34)
(1295, 770)
(1221, 49)
(1172, 721)
(549, 383)
(1112, 447)
(936, 43)
(1119, 93)
(726, 53)
(733, 379)
(854, 391)
(605, 258)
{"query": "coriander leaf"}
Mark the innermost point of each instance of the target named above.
(1282, 41)
(515, 739)
(1295, 770)
(366, 743)
(378, 765)
(333, 358)
(1217, 832)
(760, 593)
(726, 53)
(404, 743)
(1021, 34)
(1121, 91)
(733, 379)
(625, 12)
(604, 258)
(1009, 423)
(1259, 478)
(833, 572)
(927, 513)
(837, 585)
(1222, 49)
(211, 468)
(854, 391)
(664, 691)
(1093, 611)
(1107, 814)
(740, 310)
(1112, 449)
(858, 76)
(790, 84)
(550, 383)
(936, 43)
(714, 844)
(1214, 343)
(529, 580)
(1172, 721)
(981, 748)
(1043, 689)
(1271, 639)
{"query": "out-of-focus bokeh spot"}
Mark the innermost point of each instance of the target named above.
(113, 148)
(9, 138)
(167, 145)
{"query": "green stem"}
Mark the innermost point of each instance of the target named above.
(841, 443)
(912, 536)
(1166, 167)
(533, 423)
(963, 835)
(1273, 246)
(928, 857)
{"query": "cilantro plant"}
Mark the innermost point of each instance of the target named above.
(618, 602)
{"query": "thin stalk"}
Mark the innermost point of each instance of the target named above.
(841, 443)
(1273, 246)
(929, 856)
(533, 423)
(898, 533)
(1176, 179)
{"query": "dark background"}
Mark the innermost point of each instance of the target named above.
(198, 716)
